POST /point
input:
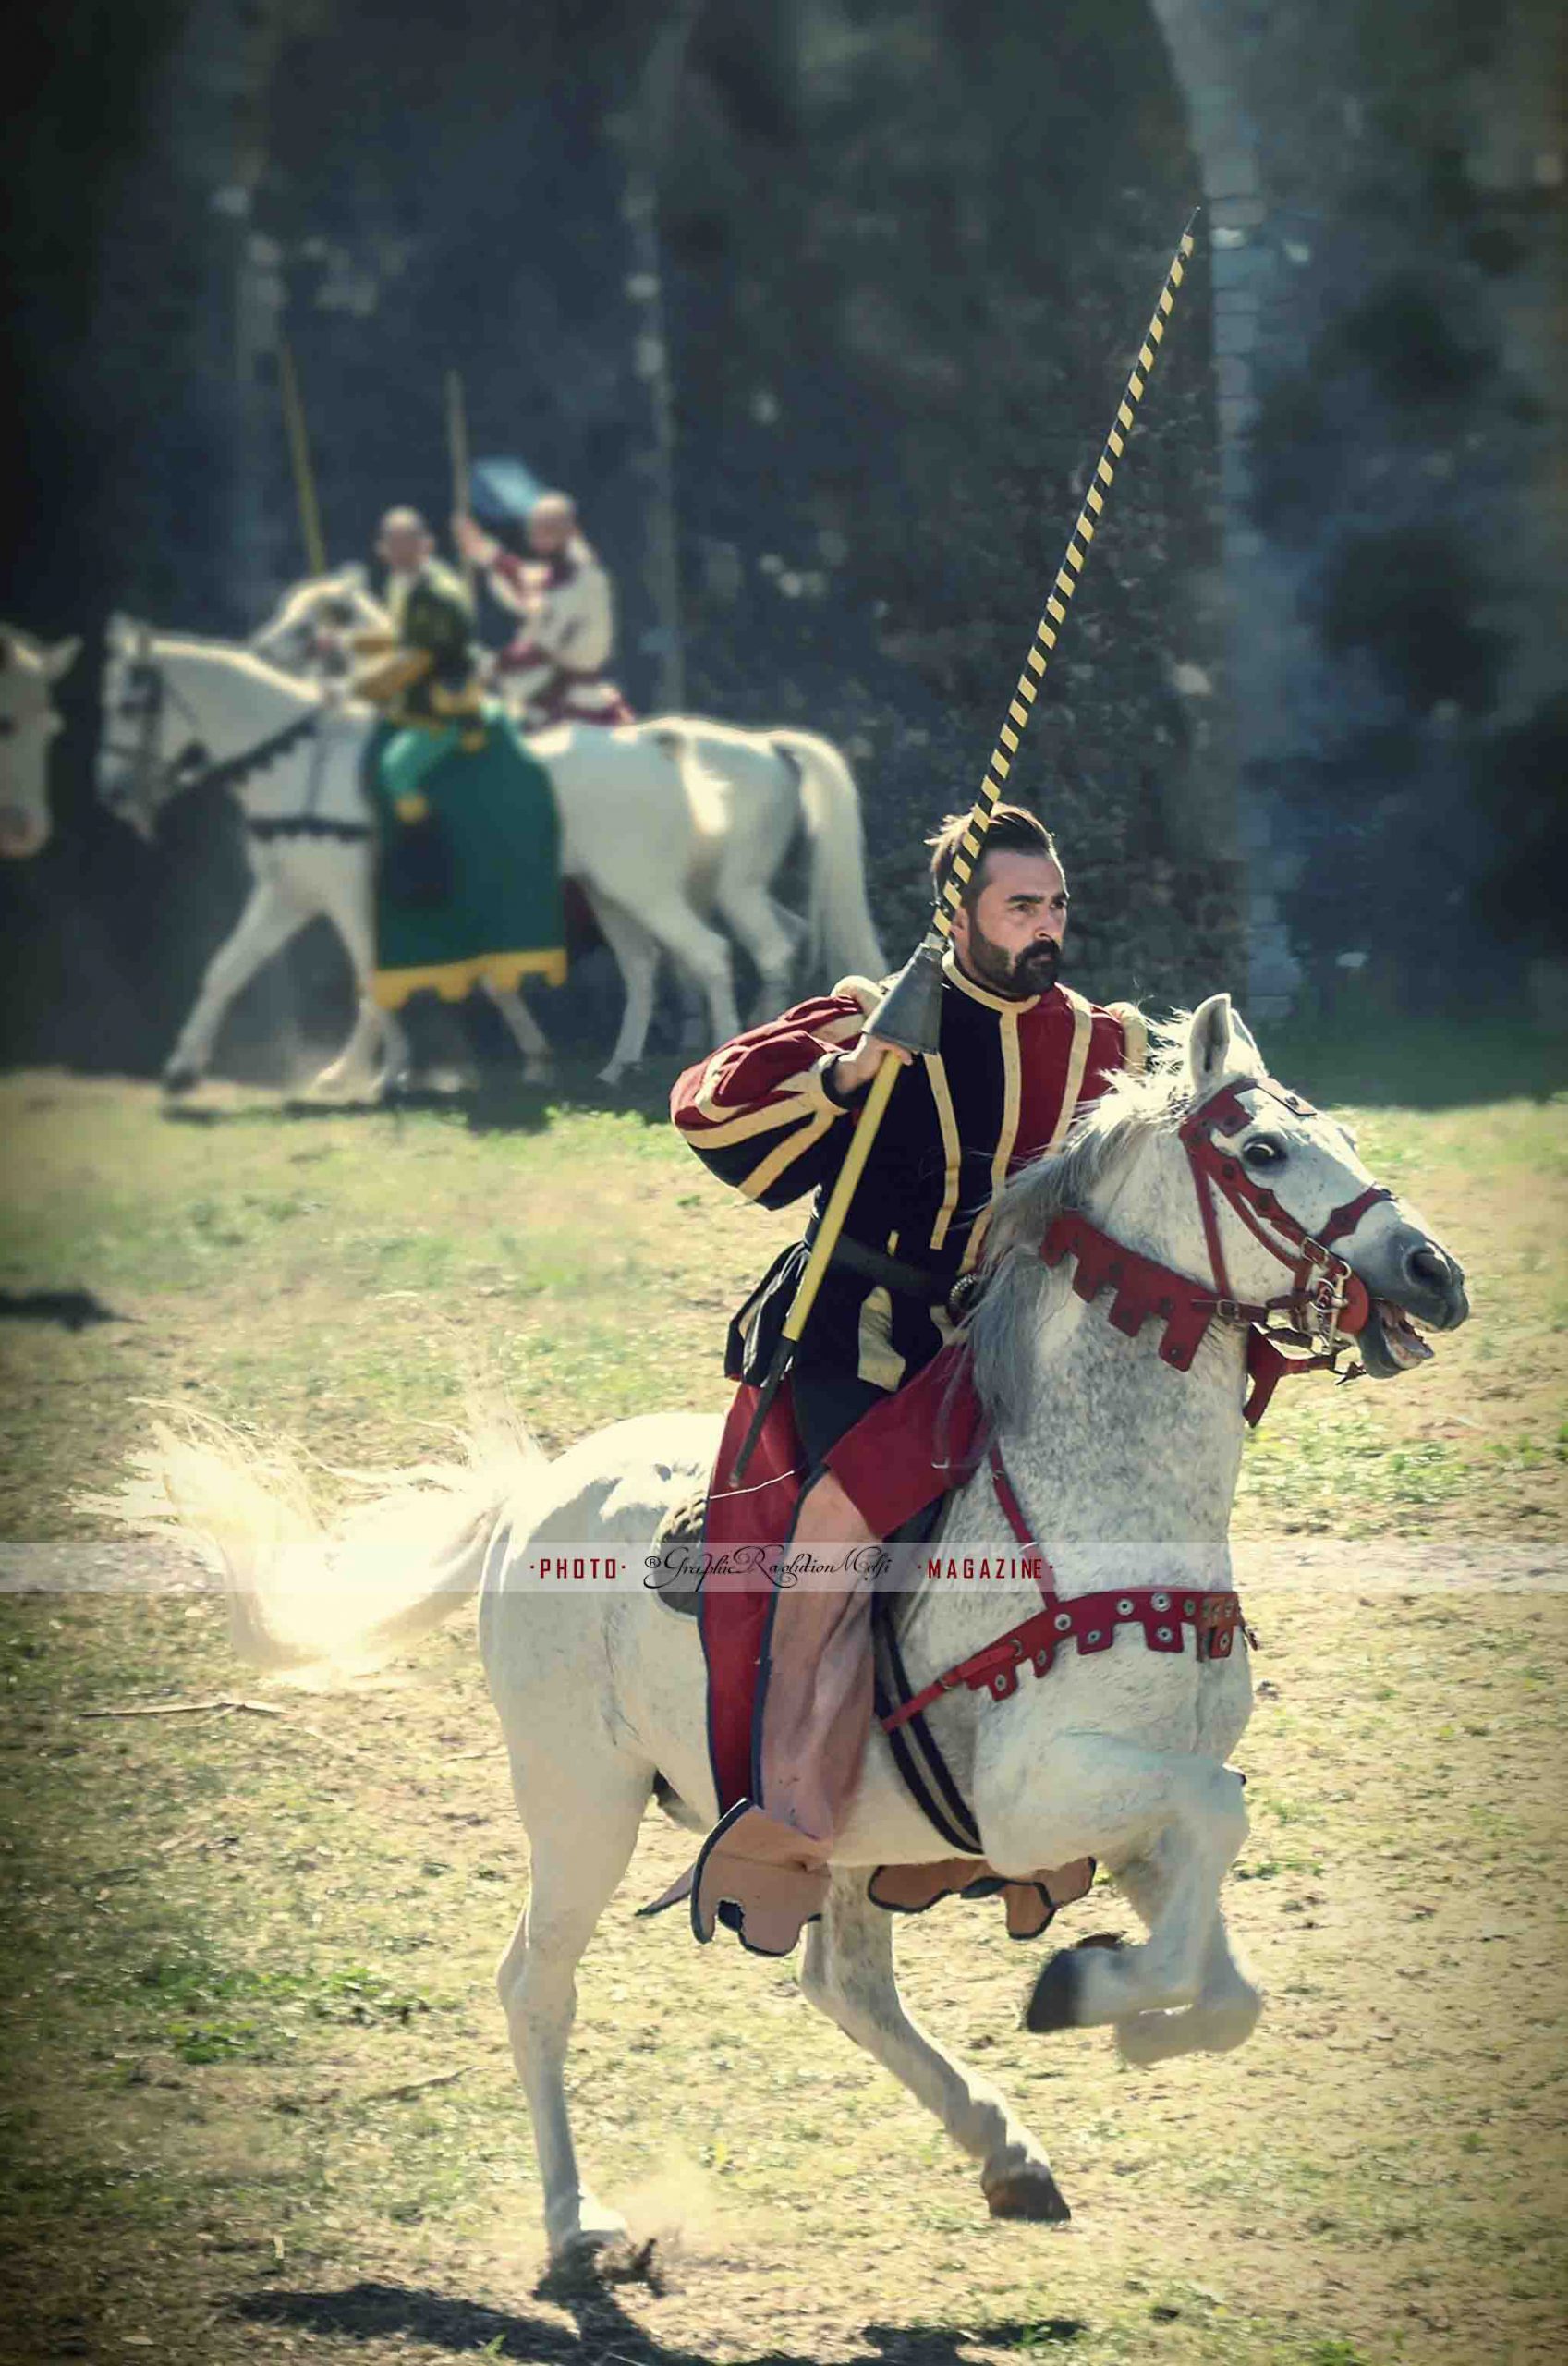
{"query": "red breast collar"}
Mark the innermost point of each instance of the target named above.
(1088, 1620)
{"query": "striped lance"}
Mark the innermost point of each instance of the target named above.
(910, 1014)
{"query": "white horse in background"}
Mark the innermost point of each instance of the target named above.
(29, 671)
(758, 791)
(307, 633)
(176, 711)
(1119, 1754)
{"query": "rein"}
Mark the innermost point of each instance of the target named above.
(1325, 1306)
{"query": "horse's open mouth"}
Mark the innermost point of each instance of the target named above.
(1391, 1340)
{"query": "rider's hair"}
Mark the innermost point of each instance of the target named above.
(403, 522)
(1014, 830)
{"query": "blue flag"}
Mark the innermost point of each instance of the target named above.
(502, 491)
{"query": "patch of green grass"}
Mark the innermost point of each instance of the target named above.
(185, 1991)
(245, 1956)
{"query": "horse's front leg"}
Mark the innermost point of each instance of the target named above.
(376, 1055)
(1095, 1794)
(1228, 2004)
(271, 917)
(526, 1032)
(848, 1974)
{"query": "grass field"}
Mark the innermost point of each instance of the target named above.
(258, 2101)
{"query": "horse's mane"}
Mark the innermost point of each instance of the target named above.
(235, 655)
(1012, 1304)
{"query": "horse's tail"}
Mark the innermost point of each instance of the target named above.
(306, 1591)
(841, 936)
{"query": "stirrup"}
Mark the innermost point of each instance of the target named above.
(763, 1879)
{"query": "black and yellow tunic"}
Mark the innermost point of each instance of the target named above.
(1001, 1089)
(426, 671)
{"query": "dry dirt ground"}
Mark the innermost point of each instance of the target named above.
(258, 2101)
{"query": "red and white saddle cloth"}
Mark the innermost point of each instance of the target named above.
(552, 693)
(740, 1640)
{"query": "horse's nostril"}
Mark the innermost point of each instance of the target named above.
(1428, 1265)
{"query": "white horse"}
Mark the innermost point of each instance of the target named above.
(758, 791)
(29, 671)
(1118, 1755)
(178, 709)
(307, 632)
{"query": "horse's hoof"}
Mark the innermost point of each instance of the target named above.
(1030, 2194)
(538, 1072)
(1054, 1999)
(180, 1079)
(1054, 2004)
(597, 2251)
(587, 2265)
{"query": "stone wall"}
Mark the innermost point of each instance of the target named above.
(902, 250)
(1386, 189)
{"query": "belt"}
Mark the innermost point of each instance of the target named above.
(909, 1281)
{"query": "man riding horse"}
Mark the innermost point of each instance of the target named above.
(423, 673)
(768, 1114)
(553, 668)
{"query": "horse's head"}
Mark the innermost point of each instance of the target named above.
(1284, 1181)
(29, 671)
(1216, 1176)
(147, 751)
(303, 635)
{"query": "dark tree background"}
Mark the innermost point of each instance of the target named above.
(906, 247)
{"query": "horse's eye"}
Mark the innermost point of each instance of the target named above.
(8, 726)
(1264, 1151)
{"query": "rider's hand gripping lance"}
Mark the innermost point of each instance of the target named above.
(910, 1014)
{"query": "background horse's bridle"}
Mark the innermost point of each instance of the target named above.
(148, 695)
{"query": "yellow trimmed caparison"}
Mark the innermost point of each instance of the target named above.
(453, 980)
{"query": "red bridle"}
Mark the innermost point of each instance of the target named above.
(1324, 1307)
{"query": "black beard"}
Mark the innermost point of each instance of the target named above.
(1015, 975)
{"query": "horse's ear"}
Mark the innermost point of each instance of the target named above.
(59, 661)
(18, 647)
(1211, 1044)
(1245, 1050)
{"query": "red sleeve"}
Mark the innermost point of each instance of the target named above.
(756, 1112)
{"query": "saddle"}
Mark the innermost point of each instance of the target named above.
(1029, 1906)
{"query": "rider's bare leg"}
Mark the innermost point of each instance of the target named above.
(769, 1862)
